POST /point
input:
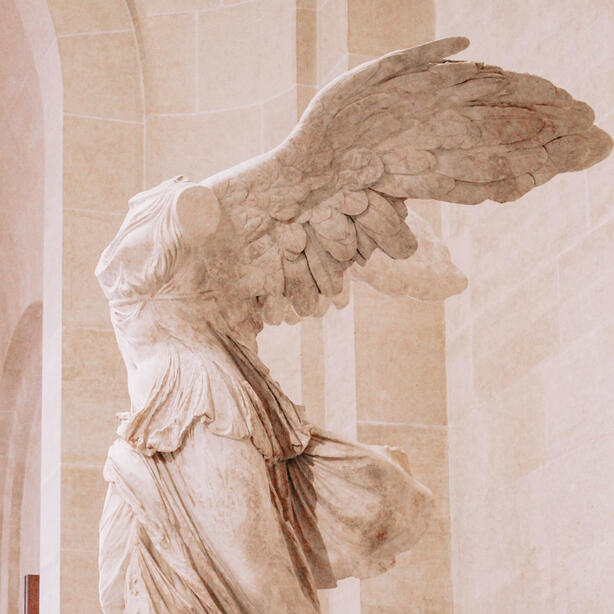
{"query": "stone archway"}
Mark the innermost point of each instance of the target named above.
(20, 405)
(30, 241)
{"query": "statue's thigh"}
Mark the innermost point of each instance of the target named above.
(230, 501)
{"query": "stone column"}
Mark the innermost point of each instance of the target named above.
(400, 360)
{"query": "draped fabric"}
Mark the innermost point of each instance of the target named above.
(214, 529)
(234, 396)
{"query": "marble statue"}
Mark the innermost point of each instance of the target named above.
(222, 497)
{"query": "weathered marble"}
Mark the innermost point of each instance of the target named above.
(222, 496)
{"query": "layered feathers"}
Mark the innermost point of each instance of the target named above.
(408, 125)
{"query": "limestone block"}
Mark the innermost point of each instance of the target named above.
(508, 317)
(459, 375)
(103, 163)
(585, 273)
(306, 46)
(579, 390)
(409, 391)
(458, 308)
(412, 588)
(24, 111)
(168, 55)
(537, 342)
(147, 8)
(200, 144)
(84, 405)
(17, 61)
(77, 17)
(468, 449)
(585, 263)
(313, 373)
(278, 47)
(6, 421)
(588, 309)
(582, 582)
(340, 374)
(101, 76)
(516, 426)
(502, 259)
(91, 354)
(600, 191)
(279, 118)
(331, 39)
(227, 77)
(407, 24)
(576, 495)
(83, 492)
(85, 234)
(79, 582)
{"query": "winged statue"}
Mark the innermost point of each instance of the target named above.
(223, 498)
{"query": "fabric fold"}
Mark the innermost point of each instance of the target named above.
(243, 403)
(196, 540)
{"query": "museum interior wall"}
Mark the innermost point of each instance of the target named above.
(510, 379)
(22, 194)
(528, 345)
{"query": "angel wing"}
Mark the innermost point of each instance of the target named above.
(410, 124)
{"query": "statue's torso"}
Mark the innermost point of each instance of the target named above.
(181, 339)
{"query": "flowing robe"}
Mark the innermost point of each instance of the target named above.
(222, 498)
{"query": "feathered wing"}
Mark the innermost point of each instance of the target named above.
(407, 125)
(429, 275)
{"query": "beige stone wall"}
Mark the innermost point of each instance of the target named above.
(529, 345)
(321, 45)
(220, 82)
(102, 157)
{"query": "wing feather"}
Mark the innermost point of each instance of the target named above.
(300, 287)
(326, 270)
(408, 125)
(429, 185)
(488, 164)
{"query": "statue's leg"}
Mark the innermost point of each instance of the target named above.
(116, 531)
(197, 530)
(227, 483)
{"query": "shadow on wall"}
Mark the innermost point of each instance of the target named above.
(20, 406)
